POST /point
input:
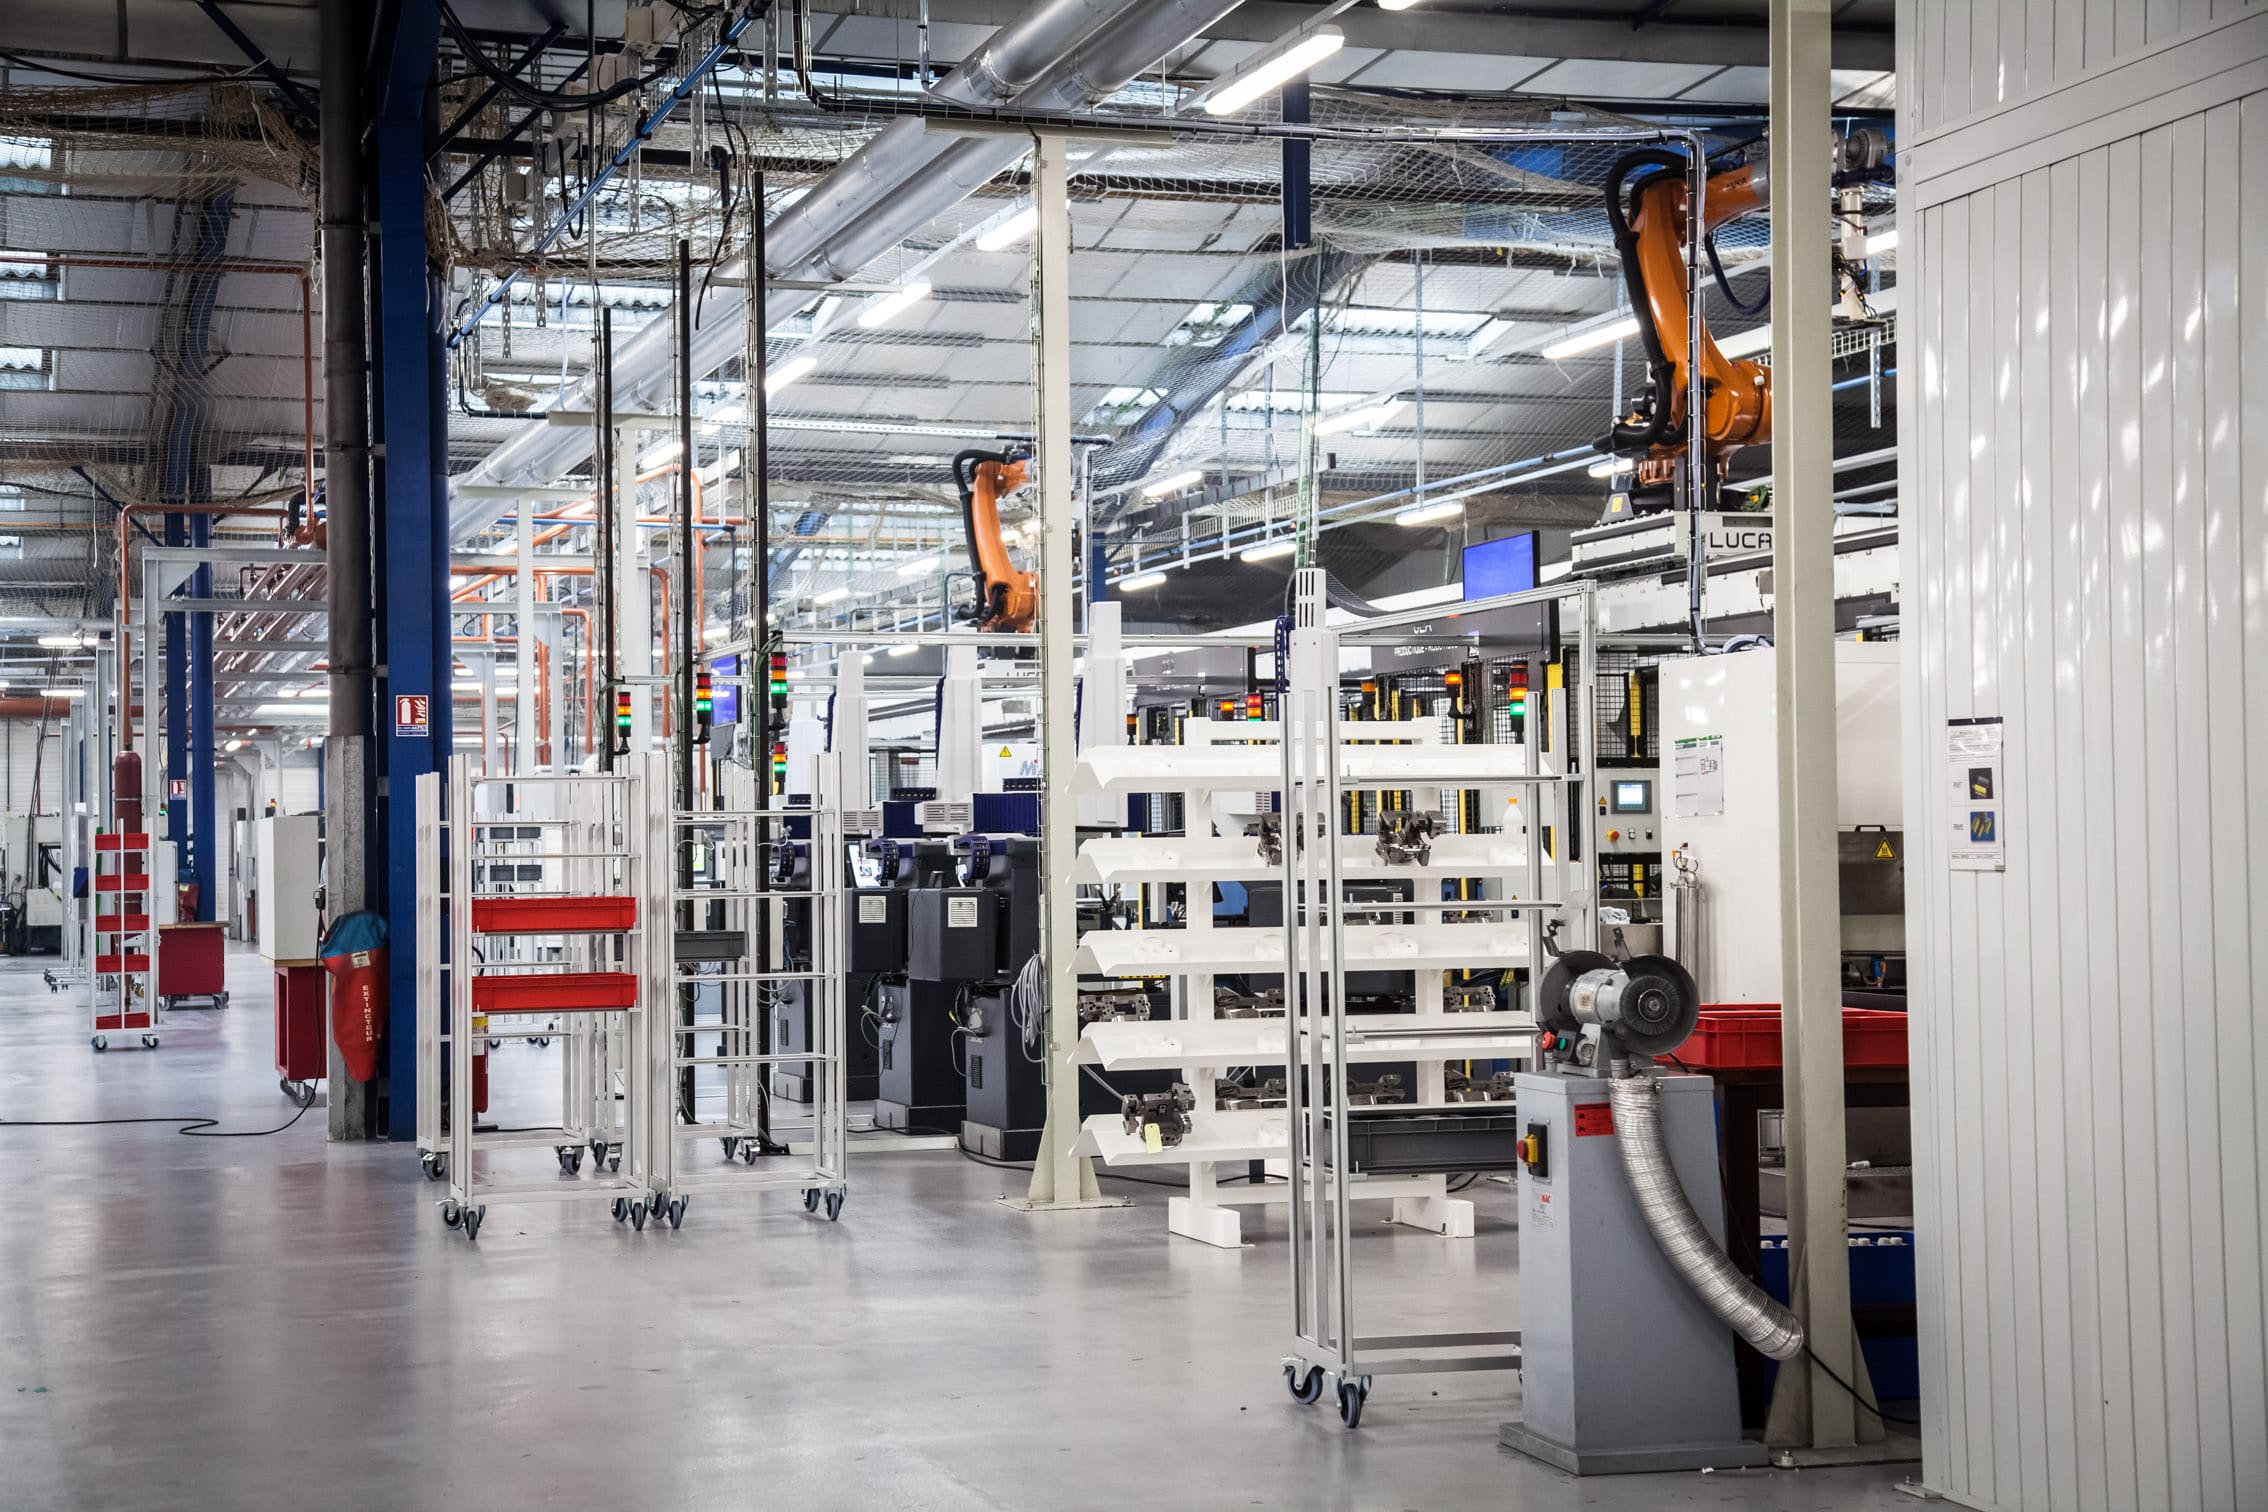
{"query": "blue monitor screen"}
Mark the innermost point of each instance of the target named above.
(1503, 566)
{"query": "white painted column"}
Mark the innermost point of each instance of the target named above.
(1059, 1178)
(633, 598)
(1808, 1408)
(524, 707)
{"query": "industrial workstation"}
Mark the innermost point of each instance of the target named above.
(1045, 754)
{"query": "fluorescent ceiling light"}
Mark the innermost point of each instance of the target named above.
(1348, 419)
(1881, 242)
(1428, 514)
(1591, 340)
(908, 649)
(1141, 581)
(1174, 484)
(62, 692)
(1282, 61)
(234, 745)
(917, 459)
(1269, 550)
(889, 307)
(788, 372)
(1396, 4)
(918, 566)
(1607, 467)
(655, 456)
(1010, 231)
(831, 596)
(67, 641)
(280, 708)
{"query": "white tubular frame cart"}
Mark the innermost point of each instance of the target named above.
(600, 902)
(803, 1147)
(1318, 769)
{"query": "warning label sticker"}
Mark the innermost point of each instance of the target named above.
(960, 913)
(1593, 1118)
(873, 909)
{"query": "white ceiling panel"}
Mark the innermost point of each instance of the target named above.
(1447, 71)
(1599, 78)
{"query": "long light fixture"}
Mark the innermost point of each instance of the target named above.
(1141, 582)
(1590, 340)
(1269, 550)
(1272, 67)
(66, 642)
(1360, 414)
(1010, 231)
(918, 567)
(831, 596)
(62, 692)
(1428, 514)
(1607, 467)
(1396, 4)
(1881, 242)
(887, 307)
(788, 372)
(907, 648)
(1174, 484)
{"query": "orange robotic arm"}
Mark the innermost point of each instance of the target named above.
(1651, 224)
(1007, 599)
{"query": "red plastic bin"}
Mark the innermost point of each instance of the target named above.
(1746, 1037)
(121, 841)
(553, 913)
(133, 882)
(113, 964)
(555, 992)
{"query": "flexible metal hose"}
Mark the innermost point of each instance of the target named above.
(1739, 1302)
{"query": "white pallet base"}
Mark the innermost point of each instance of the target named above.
(1419, 1202)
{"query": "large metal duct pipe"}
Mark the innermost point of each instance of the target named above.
(1740, 1303)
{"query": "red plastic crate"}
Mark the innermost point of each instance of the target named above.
(122, 842)
(1746, 1037)
(555, 992)
(117, 963)
(553, 913)
(107, 1021)
(121, 923)
(130, 882)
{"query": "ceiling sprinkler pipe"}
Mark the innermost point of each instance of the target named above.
(1738, 1302)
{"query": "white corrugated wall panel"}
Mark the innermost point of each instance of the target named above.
(2085, 465)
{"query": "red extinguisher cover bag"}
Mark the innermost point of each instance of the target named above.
(354, 953)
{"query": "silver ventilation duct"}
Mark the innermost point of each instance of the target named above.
(1740, 1303)
(1062, 54)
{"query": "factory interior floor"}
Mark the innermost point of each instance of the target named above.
(279, 1322)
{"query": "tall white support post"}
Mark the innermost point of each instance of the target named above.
(633, 596)
(1060, 1179)
(959, 726)
(847, 730)
(1809, 1411)
(524, 707)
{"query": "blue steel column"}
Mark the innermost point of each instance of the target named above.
(176, 715)
(204, 837)
(412, 524)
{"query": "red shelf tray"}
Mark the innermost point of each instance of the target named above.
(113, 963)
(129, 882)
(1746, 1037)
(555, 992)
(122, 842)
(121, 923)
(122, 1021)
(553, 913)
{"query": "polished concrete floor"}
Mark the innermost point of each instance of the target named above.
(281, 1323)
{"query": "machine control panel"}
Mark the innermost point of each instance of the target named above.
(1627, 817)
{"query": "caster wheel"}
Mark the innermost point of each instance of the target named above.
(224, 1000)
(472, 1218)
(638, 1216)
(748, 1152)
(1306, 1390)
(598, 1152)
(100, 1043)
(731, 1146)
(621, 1210)
(1352, 1394)
(570, 1159)
(834, 1206)
(435, 1167)
(811, 1200)
(149, 1042)
(451, 1215)
(676, 1212)
(614, 1162)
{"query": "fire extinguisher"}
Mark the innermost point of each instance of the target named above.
(354, 952)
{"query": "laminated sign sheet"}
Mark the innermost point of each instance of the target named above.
(1978, 829)
(1697, 776)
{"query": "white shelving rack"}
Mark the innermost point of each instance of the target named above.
(1226, 767)
(720, 1046)
(571, 871)
(1322, 940)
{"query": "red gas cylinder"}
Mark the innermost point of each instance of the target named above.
(126, 792)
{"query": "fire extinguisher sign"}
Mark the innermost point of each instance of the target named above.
(410, 715)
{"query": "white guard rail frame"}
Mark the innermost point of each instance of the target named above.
(1327, 1350)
